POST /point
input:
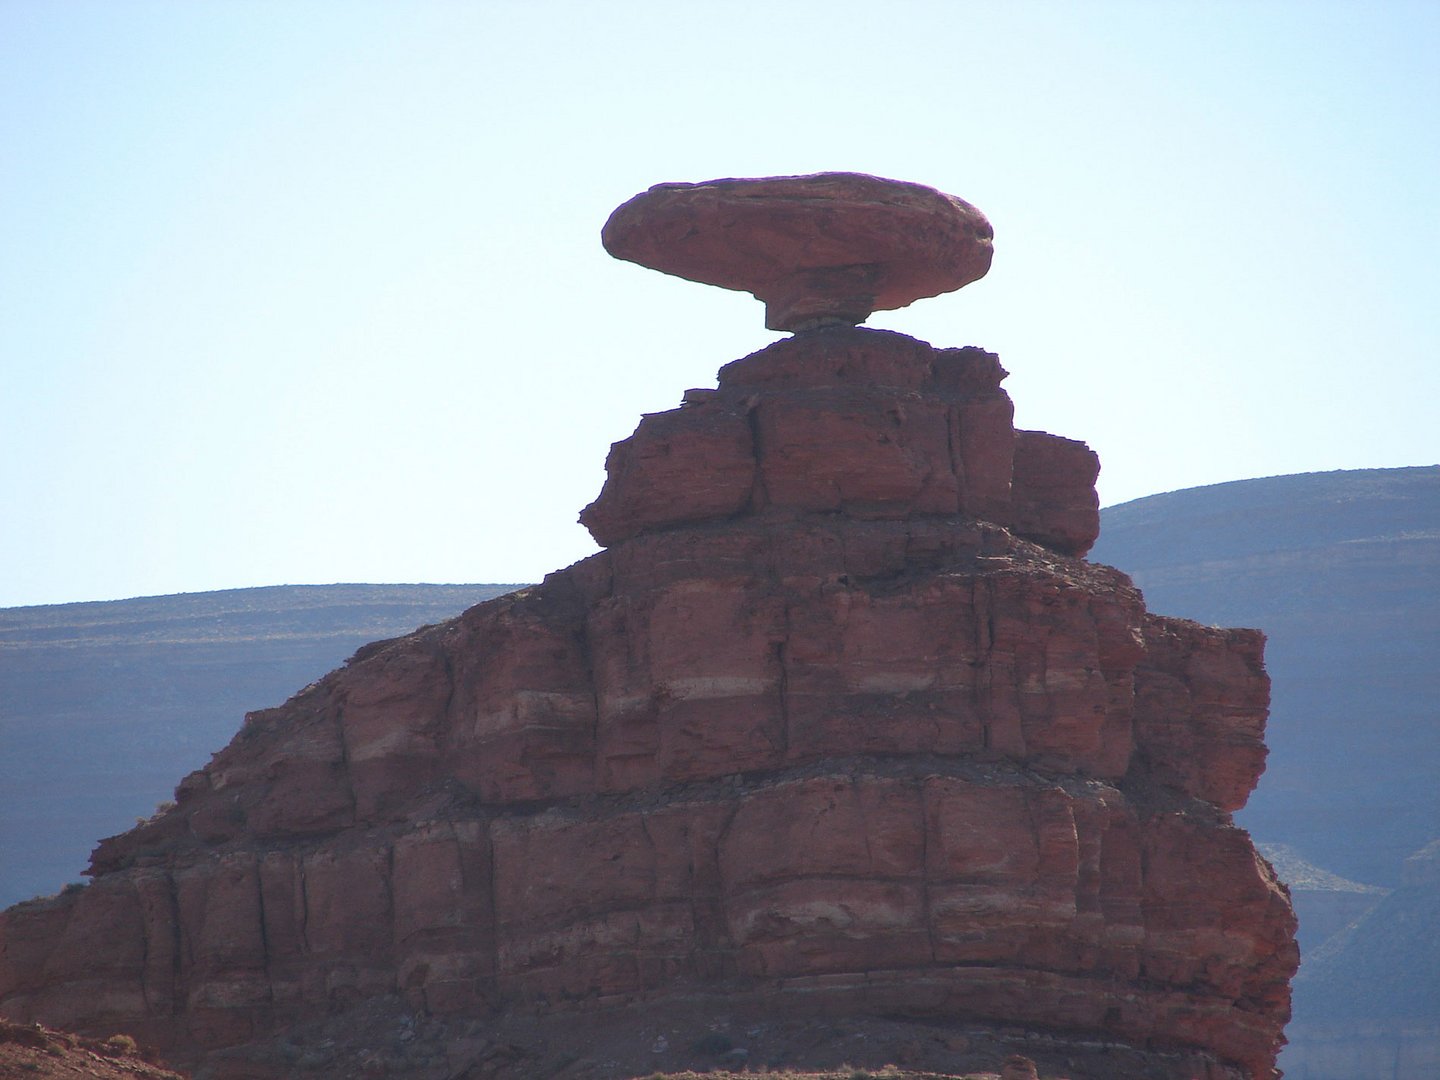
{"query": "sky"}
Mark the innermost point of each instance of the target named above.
(300, 292)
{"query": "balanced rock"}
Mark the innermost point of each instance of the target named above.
(817, 250)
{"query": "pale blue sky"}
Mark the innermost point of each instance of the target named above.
(304, 292)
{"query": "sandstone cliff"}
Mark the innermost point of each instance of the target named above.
(839, 723)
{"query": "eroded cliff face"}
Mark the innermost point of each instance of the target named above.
(839, 721)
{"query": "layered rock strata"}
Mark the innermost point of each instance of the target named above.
(839, 721)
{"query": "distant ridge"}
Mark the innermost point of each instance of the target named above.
(1303, 511)
(104, 704)
(1367, 1003)
(1324, 902)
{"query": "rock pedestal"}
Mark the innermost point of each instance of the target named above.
(839, 722)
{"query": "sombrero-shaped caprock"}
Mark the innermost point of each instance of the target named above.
(817, 250)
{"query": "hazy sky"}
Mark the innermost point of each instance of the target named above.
(304, 292)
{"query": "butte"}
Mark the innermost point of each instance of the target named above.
(839, 751)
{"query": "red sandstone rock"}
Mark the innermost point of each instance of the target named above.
(818, 728)
(1052, 494)
(870, 424)
(833, 247)
(1201, 701)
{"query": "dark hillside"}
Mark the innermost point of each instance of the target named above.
(1354, 973)
(1367, 1003)
(103, 706)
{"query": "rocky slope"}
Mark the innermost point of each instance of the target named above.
(33, 1051)
(838, 724)
(150, 687)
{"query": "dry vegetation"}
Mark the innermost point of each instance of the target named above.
(29, 1050)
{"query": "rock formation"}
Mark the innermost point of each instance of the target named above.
(839, 724)
(830, 248)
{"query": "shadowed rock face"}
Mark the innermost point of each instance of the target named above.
(838, 725)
